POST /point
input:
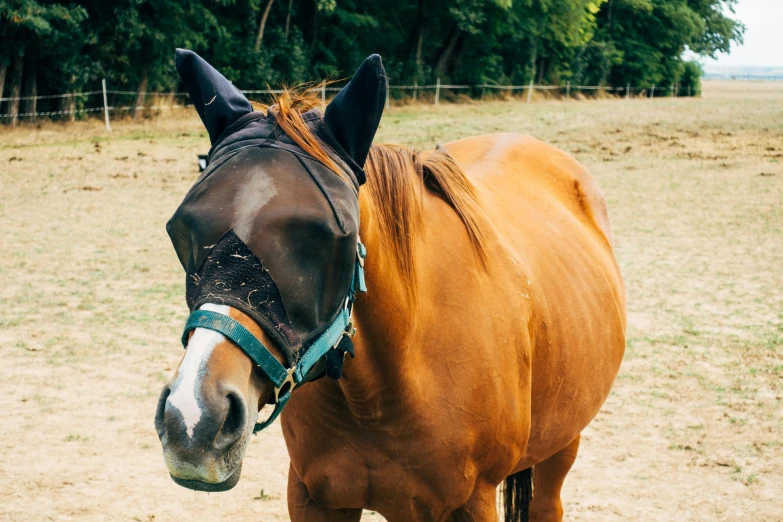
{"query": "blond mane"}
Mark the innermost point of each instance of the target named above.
(393, 172)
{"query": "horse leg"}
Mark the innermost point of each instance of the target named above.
(302, 508)
(480, 507)
(548, 477)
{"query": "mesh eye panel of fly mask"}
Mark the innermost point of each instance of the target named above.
(266, 228)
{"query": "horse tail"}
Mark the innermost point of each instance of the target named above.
(517, 492)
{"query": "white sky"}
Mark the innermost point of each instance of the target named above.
(763, 45)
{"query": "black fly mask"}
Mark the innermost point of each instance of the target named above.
(266, 228)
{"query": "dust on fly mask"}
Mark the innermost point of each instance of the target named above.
(270, 230)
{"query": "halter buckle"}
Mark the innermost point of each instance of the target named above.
(350, 330)
(288, 379)
(360, 253)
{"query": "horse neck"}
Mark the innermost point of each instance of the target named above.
(385, 326)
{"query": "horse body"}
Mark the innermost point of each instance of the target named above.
(497, 367)
(493, 328)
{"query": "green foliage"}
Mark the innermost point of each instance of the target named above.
(690, 81)
(593, 63)
(652, 36)
(131, 42)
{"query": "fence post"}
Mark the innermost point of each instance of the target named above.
(105, 106)
(568, 90)
(530, 91)
(415, 89)
(323, 96)
(627, 91)
(672, 91)
(387, 94)
(689, 90)
(437, 92)
(652, 92)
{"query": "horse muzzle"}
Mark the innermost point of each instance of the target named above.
(204, 437)
(198, 485)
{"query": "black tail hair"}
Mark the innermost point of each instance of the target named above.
(517, 493)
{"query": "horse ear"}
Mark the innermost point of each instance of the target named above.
(354, 114)
(216, 99)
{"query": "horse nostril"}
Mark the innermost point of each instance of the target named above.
(160, 425)
(235, 422)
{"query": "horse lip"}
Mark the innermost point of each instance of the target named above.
(198, 485)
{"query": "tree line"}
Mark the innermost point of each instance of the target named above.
(50, 47)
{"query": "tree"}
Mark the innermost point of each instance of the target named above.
(652, 36)
(262, 24)
(136, 41)
(31, 33)
(50, 47)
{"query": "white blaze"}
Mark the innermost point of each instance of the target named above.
(257, 192)
(184, 394)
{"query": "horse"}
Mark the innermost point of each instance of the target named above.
(490, 334)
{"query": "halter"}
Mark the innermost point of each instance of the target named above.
(285, 379)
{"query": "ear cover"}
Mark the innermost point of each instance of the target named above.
(216, 99)
(354, 114)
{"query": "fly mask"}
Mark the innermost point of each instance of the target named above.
(272, 231)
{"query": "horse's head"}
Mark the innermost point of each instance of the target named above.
(268, 238)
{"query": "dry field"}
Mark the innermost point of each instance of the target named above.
(93, 302)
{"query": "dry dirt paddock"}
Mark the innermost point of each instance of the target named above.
(93, 302)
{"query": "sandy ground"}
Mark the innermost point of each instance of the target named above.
(93, 302)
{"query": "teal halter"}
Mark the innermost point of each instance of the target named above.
(284, 379)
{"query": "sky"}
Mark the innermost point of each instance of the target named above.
(763, 45)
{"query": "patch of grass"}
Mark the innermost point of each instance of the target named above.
(262, 496)
(738, 475)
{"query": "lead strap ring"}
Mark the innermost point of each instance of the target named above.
(288, 379)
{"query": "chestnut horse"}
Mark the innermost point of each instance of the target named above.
(490, 335)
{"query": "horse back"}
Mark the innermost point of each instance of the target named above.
(524, 165)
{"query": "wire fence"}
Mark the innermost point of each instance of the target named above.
(744, 77)
(67, 106)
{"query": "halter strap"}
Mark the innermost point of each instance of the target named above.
(240, 336)
(284, 379)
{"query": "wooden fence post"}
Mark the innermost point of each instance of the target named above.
(652, 92)
(3, 69)
(105, 106)
(437, 92)
(530, 91)
(627, 91)
(388, 105)
(568, 90)
(415, 89)
(16, 89)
